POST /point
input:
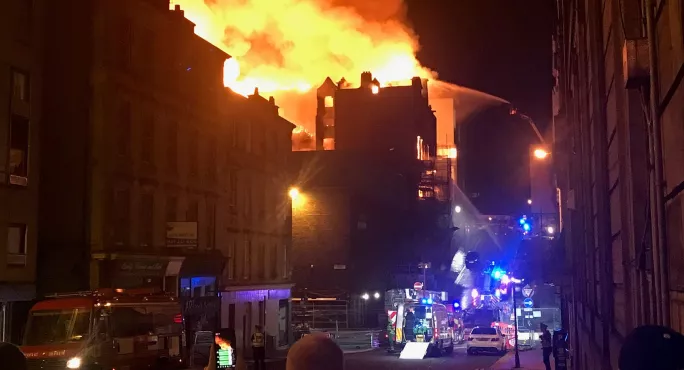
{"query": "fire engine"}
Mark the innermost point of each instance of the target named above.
(417, 316)
(106, 329)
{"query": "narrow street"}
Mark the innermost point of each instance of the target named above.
(380, 360)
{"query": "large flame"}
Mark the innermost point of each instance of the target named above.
(287, 47)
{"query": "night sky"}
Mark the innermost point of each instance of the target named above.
(503, 48)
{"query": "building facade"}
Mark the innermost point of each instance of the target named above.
(368, 206)
(20, 119)
(156, 174)
(618, 156)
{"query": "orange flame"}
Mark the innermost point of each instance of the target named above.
(293, 45)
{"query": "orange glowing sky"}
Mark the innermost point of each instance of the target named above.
(287, 48)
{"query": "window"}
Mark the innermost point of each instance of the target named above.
(211, 225)
(145, 223)
(123, 38)
(19, 150)
(328, 143)
(211, 158)
(20, 86)
(192, 213)
(121, 216)
(274, 262)
(232, 260)
(192, 152)
(247, 262)
(171, 207)
(232, 191)
(285, 265)
(172, 147)
(16, 244)
(329, 101)
(147, 138)
(123, 140)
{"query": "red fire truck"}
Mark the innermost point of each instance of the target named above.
(106, 329)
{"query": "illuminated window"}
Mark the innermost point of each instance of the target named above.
(329, 102)
(328, 144)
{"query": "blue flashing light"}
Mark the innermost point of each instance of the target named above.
(457, 305)
(526, 227)
(423, 301)
(429, 301)
(522, 220)
(498, 273)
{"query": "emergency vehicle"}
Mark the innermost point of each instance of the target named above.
(106, 329)
(427, 318)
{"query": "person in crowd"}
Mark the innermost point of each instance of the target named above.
(315, 352)
(547, 346)
(11, 357)
(259, 348)
(652, 347)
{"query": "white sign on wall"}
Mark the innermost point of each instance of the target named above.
(181, 234)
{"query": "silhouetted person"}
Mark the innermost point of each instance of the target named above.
(11, 357)
(259, 348)
(409, 325)
(315, 352)
(652, 348)
(547, 346)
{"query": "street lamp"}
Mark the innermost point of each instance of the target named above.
(529, 201)
(293, 193)
(457, 209)
(540, 153)
(515, 317)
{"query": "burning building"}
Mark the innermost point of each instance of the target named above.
(368, 203)
(155, 175)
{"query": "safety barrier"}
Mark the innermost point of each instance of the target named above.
(354, 340)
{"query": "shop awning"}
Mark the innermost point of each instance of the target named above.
(202, 265)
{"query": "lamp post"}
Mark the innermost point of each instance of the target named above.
(515, 325)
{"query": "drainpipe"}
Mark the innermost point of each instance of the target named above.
(658, 216)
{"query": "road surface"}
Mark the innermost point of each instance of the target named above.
(380, 360)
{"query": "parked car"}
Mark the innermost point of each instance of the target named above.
(486, 339)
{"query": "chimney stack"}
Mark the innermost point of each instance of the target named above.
(271, 100)
(366, 79)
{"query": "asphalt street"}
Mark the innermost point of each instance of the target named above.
(379, 359)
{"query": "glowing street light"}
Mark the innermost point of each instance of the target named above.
(529, 201)
(293, 193)
(540, 153)
(365, 296)
(457, 209)
(550, 230)
(376, 295)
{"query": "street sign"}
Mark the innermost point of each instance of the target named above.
(527, 303)
(417, 285)
(527, 291)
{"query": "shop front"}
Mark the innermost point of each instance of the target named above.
(268, 306)
(198, 289)
(137, 271)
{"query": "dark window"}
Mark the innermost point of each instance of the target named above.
(16, 244)
(145, 223)
(192, 152)
(211, 225)
(21, 88)
(211, 158)
(19, 150)
(121, 216)
(172, 147)
(192, 214)
(147, 142)
(232, 191)
(65, 326)
(171, 207)
(124, 40)
(123, 140)
(274, 261)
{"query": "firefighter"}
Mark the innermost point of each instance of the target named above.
(259, 348)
